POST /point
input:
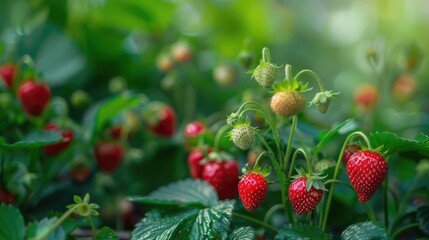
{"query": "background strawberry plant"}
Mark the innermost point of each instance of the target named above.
(131, 102)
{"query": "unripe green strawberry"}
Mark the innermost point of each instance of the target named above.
(243, 136)
(265, 74)
(287, 103)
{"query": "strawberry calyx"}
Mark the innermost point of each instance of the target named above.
(378, 149)
(292, 85)
(265, 171)
(312, 179)
(216, 156)
(153, 112)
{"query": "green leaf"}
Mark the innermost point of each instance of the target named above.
(423, 218)
(392, 143)
(106, 233)
(182, 193)
(365, 230)
(36, 139)
(68, 225)
(45, 224)
(207, 223)
(243, 233)
(11, 223)
(102, 113)
(342, 128)
(281, 175)
(301, 231)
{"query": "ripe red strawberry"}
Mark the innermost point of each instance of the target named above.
(108, 155)
(366, 171)
(194, 162)
(303, 200)
(243, 136)
(67, 139)
(193, 129)
(349, 151)
(223, 176)
(5, 197)
(366, 96)
(287, 103)
(34, 97)
(252, 189)
(161, 120)
(7, 73)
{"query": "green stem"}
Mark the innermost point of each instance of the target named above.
(272, 210)
(295, 154)
(289, 144)
(404, 201)
(256, 221)
(266, 55)
(404, 228)
(314, 75)
(257, 160)
(386, 201)
(337, 168)
(339, 181)
(288, 72)
(56, 224)
(94, 233)
(369, 210)
(219, 135)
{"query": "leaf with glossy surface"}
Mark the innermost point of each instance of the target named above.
(36, 139)
(301, 231)
(207, 223)
(182, 193)
(423, 218)
(243, 233)
(365, 230)
(392, 143)
(11, 223)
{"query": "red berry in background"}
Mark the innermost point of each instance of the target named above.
(252, 189)
(34, 97)
(80, 172)
(194, 159)
(108, 155)
(223, 176)
(349, 151)
(366, 171)
(194, 129)
(181, 52)
(67, 139)
(366, 96)
(165, 123)
(6, 197)
(303, 201)
(404, 87)
(7, 73)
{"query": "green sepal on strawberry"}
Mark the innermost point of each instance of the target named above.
(243, 135)
(306, 191)
(288, 99)
(366, 169)
(266, 72)
(253, 187)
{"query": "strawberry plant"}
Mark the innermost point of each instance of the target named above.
(208, 208)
